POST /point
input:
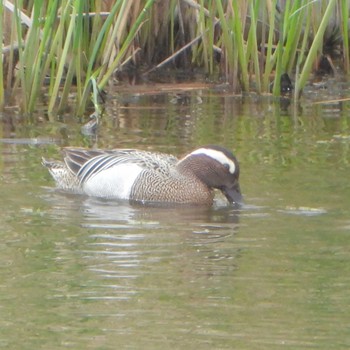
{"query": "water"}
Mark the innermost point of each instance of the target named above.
(82, 273)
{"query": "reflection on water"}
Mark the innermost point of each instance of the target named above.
(142, 264)
(81, 273)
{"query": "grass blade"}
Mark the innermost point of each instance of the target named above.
(2, 61)
(315, 46)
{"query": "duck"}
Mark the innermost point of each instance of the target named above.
(145, 176)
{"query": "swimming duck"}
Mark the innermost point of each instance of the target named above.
(144, 176)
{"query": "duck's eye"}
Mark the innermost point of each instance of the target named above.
(227, 166)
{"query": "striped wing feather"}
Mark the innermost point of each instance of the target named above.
(87, 163)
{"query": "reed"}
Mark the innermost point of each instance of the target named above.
(316, 47)
(1, 61)
(55, 47)
(344, 33)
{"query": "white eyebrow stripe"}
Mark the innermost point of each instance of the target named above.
(218, 156)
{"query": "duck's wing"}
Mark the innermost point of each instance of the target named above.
(76, 158)
(87, 163)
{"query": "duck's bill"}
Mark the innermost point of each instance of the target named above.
(234, 194)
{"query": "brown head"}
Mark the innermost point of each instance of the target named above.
(217, 168)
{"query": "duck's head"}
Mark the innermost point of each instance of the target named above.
(218, 168)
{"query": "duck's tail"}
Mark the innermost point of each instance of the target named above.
(63, 177)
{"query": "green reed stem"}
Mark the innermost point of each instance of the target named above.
(22, 66)
(96, 51)
(315, 46)
(252, 44)
(226, 33)
(100, 39)
(240, 46)
(292, 34)
(41, 54)
(1, 61)
(345, 33)
(63, 56)
(302, 51)
(270, 58)
(127, 42)
(75, 61)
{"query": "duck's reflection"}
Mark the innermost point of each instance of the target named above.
(127, 249)
(153, 214)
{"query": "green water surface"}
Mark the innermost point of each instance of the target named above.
(82, 273)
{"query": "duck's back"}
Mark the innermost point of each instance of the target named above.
(113, 173)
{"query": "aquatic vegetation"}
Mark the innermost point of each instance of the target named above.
(53, 48)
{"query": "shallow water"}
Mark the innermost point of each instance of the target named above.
(83, 273)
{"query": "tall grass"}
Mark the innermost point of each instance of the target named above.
(1, 65)
(55, 48)
(65, 44)
(316, 46)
